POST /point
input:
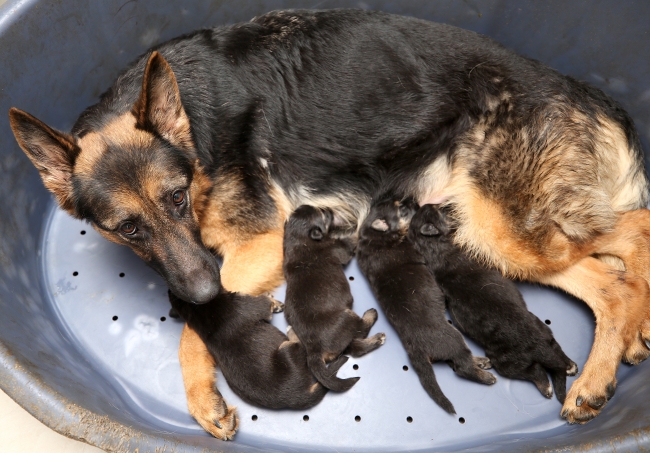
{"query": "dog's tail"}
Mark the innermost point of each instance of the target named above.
(327, 376)
(424, 370)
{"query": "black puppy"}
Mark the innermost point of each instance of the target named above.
(260, 363)
(411, 300)
(318, 303)
(490, 309)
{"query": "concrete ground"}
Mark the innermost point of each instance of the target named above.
(22, 433)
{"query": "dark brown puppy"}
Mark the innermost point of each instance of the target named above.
(260, 363)
(318, 303)
(411, 300)
(490, 309)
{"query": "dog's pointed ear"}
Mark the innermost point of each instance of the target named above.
(379, 225)
(159, 107)
(52, 152)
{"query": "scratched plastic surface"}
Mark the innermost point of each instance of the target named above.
(117, 384)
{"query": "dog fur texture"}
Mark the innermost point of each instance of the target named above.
(490, 309)
(261, 365)
(318, 301)
(209, 141)
(411, 300)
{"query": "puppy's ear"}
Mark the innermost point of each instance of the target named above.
(429, 230)
(159, 108)
(379, 225)
(316, 234)
(52, 152)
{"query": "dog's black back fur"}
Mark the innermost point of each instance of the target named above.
(411, 299)
(318, 302)
(341, 99)
(489, 308)
(259, 362)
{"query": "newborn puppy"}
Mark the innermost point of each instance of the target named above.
(411, 300)
(260, 363)
(490, 309)
(318, 302)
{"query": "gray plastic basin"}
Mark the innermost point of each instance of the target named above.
(90, 355)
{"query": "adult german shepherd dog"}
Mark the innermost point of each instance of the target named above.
(209, 141)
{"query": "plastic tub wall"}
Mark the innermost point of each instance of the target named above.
(58, 57)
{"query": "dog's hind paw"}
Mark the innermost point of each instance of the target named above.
(581, 405)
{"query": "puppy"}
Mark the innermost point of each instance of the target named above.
(410, 298)
(260, 363)
(490, 309)
(318, 303)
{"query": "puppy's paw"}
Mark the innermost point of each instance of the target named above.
(483, 363)
(215, 416)
(572, 370)
(277, 306)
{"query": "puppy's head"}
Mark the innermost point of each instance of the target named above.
(135, 177)
(432, 223)
(309, 223)
(389, 217)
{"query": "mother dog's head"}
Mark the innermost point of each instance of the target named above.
(133, 177)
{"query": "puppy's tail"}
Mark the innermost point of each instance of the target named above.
(424, 370)
(327, 376)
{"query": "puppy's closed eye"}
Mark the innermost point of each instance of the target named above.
(429, 230)
(316, 234)
(379, 225)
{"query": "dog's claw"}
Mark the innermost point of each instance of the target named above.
(610, 389)
(565, 413)
(579, 401)
(647, 343)
(217, 424)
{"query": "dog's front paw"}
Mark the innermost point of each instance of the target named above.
(584, 401)
(214, 415)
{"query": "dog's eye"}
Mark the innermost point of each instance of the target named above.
(128, 228)
(316, 234)
(178, 197)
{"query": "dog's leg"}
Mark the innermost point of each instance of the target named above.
(618, 300)
(253, 267)
(204, 401)
(630, 241)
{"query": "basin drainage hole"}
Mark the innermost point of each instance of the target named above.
(351, 278)
(114, 318)
(306, 418)
(163, 319)
(409, 419)
(548, 322)
(405, 368)
(461, 420)
(357, 419)
(355, 367)
(122, 274)
(83, 232)
(75, 273)
(254, 418)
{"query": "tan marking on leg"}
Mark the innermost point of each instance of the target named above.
(618, 301)
(254, 267)
(203, 399)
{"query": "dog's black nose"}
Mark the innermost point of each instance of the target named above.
(204, 291)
